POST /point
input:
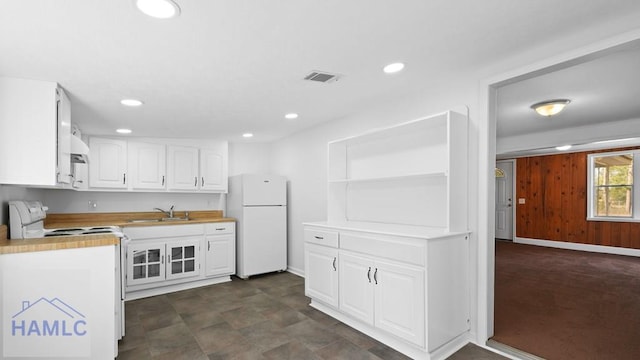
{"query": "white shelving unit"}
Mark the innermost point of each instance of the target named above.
(413, 174)
(392, 258)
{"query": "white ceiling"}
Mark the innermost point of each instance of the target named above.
(226, 67)
(604, 89)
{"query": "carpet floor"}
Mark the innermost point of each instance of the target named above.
(564, 304)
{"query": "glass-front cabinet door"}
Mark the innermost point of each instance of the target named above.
(182, 259)
(145, 263)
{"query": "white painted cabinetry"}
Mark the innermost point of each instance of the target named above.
(213, 169)
(182, 166)
(321, 273)
(397, 224)
(157, 165)
(108, 163)
(220, 249)
(159, 261)
(167, 258)
(35, 122)
(147, 165)
(197, 169)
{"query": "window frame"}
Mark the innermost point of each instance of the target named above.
(635, 186)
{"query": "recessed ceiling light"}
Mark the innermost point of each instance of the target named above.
(550, 107)
(247, 135)
(563, 147)
(123, 131)
(159, 9)
(291, 116)
(131, 102)
(393, 68)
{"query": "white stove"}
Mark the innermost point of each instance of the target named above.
(26, 221)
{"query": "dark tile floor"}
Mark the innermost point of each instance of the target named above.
(265, 317)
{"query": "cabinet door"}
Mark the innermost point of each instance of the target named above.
(182, 166)
(356, 286)
(213, 170)
(64, 137)
(400, 301)
(182, 259)
(147, 165)
(145, 263)
(221, 255)
(321, 273)
(108, 165)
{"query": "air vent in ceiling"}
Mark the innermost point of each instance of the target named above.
(322, 76)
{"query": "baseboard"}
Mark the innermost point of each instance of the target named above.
(139, 294)
(581, 247)
(296, 271)
(508, 351)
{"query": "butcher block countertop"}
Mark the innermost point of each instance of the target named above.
(56, 243)
(122, 219)
(129, 219)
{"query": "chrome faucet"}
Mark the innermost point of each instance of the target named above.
(168, 213)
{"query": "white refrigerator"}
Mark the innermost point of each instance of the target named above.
(259, 204)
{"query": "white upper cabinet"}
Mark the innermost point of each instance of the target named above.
(147, 165)
(108, 163)
(213, 169)
(182, 166)
(34, 121)
(64, 138)
(197, 169)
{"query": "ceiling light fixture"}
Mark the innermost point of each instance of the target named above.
(291, 116)
(123, 131)
(550, 107)
(563, 147)
(131, 102)
(393, 68)
(247, 135)
(159, 9)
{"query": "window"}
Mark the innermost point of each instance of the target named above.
(612, 195)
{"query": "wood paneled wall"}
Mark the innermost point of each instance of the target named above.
(555, 190)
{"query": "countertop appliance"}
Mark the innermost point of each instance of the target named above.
(259, 203)
(26, 222)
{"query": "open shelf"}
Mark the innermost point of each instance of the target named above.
(412, 175)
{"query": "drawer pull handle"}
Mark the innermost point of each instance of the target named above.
(375, 276)
(369, 274)
(334, 264)
(195, 181)
(220, 229)
(319, 237)
(162, 180)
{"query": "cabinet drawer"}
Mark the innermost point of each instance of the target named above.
(388, 247)
(320, 237)
(220, 228)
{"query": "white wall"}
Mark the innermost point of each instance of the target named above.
(245, 158)
(11, 192)
(302, 157)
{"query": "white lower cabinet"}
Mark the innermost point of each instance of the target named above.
(150, 262)
(321, 272)
(220, 242)
(386, 295)
(161, 259)
(409, 292)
